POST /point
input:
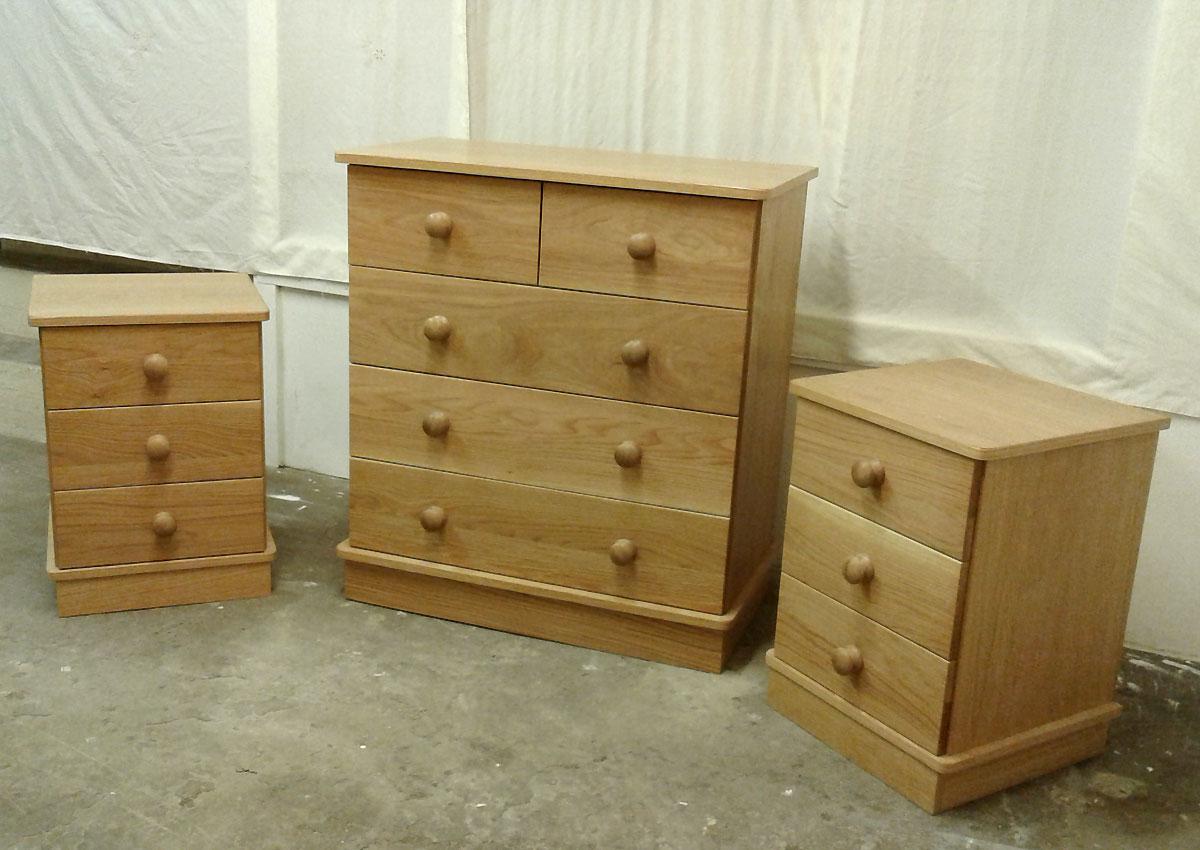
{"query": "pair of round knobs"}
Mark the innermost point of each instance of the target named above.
(439, 328)
(439, 225)
(622, 553)
(436, 424)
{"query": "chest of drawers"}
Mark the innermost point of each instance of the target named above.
(958, 561)
(567, 389)
(154, 434)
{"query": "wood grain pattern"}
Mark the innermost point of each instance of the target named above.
(704, 248)
(927, 492)
(542, 535)
(537, 337)
(494, 233)
(902, 684)
(113, 525)
(103, 366)
(106, 446)
(977, 410)
(143, 299)
(914, 590)
(546, 439)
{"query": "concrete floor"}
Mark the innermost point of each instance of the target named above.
(306, 721)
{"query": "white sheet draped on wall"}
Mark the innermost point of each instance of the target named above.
(1013, 181)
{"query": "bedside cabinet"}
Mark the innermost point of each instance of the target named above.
(567, 389)
(958, 561)
(154, 434)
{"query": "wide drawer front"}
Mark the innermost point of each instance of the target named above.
(154, 444)
(897, 582)
(451, 224)
(677, 355)
(912, 487)
(649, 244)
(603, 545)
(656, 455)
(159, 522)
(884, 674)
(109, 366)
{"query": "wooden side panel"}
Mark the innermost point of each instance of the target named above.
(1048, 587)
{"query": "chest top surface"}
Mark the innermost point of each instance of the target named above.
(143, 299)
(975, 410)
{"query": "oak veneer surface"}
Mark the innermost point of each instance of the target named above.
(141, 299)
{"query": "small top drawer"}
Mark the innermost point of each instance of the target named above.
(112, 366)
(919, 490)
(452, 224)
(648, 244)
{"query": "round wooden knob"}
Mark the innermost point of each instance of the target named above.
(641, 246)
(437, 329)
(438, 225)
(628, 454)
(155, 367)
(847, 660)
(158, 447)
(436, 423)
(433, 518)
(163, 524)
(623, 552)
(867, 473)
(635, 353)
(858, 569)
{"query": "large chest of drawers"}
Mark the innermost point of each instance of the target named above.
(958, 561)
(154, 433)
(567, 389)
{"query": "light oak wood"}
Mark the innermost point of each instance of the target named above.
(926, 493)
(943, 402)
(666, 354)
(156, 444)
(543, 438)
(105, 366)
(912, 589)
(899, 682)
(685, 175)
(603, 545)
(702, 248)
(482, 227)
(118, 525)
(143, 299)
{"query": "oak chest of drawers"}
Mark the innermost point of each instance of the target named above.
(958, 562)
(154, 434)
(567, 389)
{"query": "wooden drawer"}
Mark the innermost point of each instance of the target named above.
(543, 438)
(546, 338)
(926, 492)
(452, 224)
(699, 250)
(899, 683)
(154, 444)
(116, 525)
(538, 534)
(110, 366)
(897, 582)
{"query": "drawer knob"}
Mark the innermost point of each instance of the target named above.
(868, 473)
(433, 518)
(641, 246)
(438, 225)
(158, 447)
(847, 660)
(163, 524)
(436, 423)
(623, 552)
(155, 367)
(635, 353)
(628, 454)
(437, 329)
(858, 569)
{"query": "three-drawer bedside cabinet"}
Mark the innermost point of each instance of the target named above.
(154, 433)
(958, 562)
(568, 389)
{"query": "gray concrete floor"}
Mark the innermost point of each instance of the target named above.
(306, 721)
